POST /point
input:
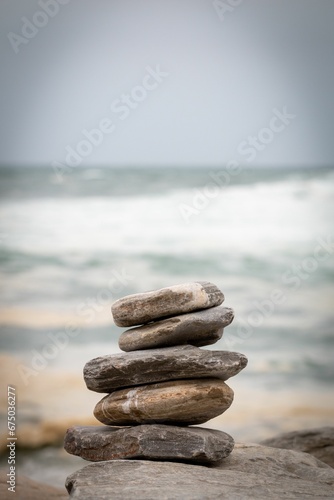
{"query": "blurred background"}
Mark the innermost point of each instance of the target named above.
(147, 143)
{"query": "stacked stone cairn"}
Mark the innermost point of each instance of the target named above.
(163, 383)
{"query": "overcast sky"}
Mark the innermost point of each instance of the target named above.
(169, 82)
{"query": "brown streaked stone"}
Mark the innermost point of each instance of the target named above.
(178, 402)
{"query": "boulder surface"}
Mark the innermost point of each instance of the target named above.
(250, 472)
(318, 442)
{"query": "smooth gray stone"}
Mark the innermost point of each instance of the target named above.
(178, 299)
(197, 328)
(107, 373)
(319, 442)
(178, 402)
(251, 472)
(150, 442)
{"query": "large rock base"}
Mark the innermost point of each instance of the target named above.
(318, 442)
(250, 472)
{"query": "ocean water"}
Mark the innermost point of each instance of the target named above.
(70, 245)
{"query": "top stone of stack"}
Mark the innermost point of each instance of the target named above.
(142, 308)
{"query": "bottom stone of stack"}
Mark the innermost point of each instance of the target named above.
(250, 472)
(177, 402)
(149, 442)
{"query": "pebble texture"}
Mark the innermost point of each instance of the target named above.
(198, 328)
(250, 472)
(318, 442)
(150, 442)
(107, 373)
(178, 299)
(180, 402)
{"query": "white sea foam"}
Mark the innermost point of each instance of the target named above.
(252, 220)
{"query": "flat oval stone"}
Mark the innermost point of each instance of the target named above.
(179, 402)
(197, 328)
(178, 299)
(149, 442)
(115, 371)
